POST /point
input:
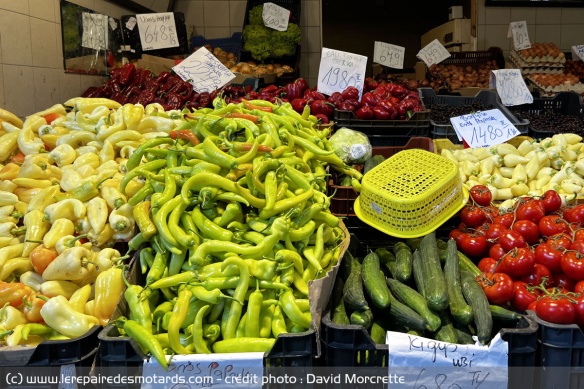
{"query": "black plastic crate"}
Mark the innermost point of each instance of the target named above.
(294, 6)
(132, 39)
(564, 103)
(560, 355)
(230, 45)
(485, 97)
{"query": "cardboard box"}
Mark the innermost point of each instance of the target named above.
(397, 73)
(156, 64)
(455, 12)
(86, 62)
(456, 31)
(421, 70)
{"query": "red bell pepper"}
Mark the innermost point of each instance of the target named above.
(128, 73)
(299, 104)
(336, 99)
(292, 91)
(364, 113)
(146, 97)
(302, 84)
(322, 107)
(380, 114)
(370, 99)
(314, 95)
(174, 100)
(350, 93)
(162, 77)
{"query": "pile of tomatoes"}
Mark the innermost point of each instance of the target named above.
(531, 257)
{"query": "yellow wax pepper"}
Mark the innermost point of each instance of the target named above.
(109, 287)
(88, 104)
(62, 155)
(132, 115)
(87, 159)
(113, 197)
(36, 228)
(61, 227)
(103, 238)
(97, 213)
(9, 171)
(122, 219)
(44, 198)
(106, 259)
(7, 198)
(10, 317)
(8, 145)
(73, 264)
(28, 142)
(80, 297)
(17, 265)
(107, 153)
(106, 130)
(7, 116)
(71, 209)
(76, 139)
(61, 316)
(58, 288)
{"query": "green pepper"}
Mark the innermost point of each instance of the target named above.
(87, 190)
(239, 295)
(158, 199)
(292, 311)
(198, 341)
(278, 322)
(254, 306)
(208, 228)
(137, 299)
(160, 221)
(183, 239)
(179, 314)
(212, 296)
(137, 155)
(146, 341)
(160, 311)
(158, 267)
(144, 170)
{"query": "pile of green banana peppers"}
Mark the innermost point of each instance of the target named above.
(234, 223)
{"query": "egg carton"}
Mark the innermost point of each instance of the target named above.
(547, 60)
(552, 91)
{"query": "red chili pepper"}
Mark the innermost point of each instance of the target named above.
(151, 85)
(185, 134)
(162, 77)
(120, 98)
(250, 106)
(128, 73)
(174, 100)
(239, 115)
(269, 89)
(146, 97)
(145, 74)
(89, 91)
(172, 80)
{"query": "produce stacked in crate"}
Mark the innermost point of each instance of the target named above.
(467, 69)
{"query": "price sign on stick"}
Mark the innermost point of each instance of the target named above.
(428, 363)
(389, 55)
(95, 31)
(578, 53)
(217, 371)
(518, 31)
(433, 53)
(510, 87)
(484, 128)
(339, 70)
(204, 71)
(157, 31)
(275, 17)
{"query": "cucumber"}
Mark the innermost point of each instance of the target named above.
(372, 162)
(502, 314)
(348, 265)
(442, 255)
(414, 300)
(353, 295)
(441, 244)
(467, 265)
(345, 181)
(377, 332)
(476, 298)
(400, 246)
(446, 333)
(387, 259)
(374, 281)
(460, 310)
(339, 313)
(436, 291)
(362, 318)
(463, 337)
(403, 265)
(414, 243)
(418, 273)
(406, 316)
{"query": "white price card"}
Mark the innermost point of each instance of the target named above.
(433, 53)
(113, 24)
(131, 23)
(157, 31)
(484, 128)
(578, 53)
(518, 31)
(95, 31)
(204, 71)
(510, 86)
(389, 55)
(217, 371)
(275, 17)
(428, 363)
(339, 70)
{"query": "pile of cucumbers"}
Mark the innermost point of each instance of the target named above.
(422, 286)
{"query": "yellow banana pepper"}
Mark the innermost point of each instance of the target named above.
(8, 145)
(71, 265)
(97, 214)
(36, 228)
(103, 238)
(58, 288)
(71, 209)
(109, 287)
(87, 159)
(57, 108)
(11, 317)
(32, 279)
(31, 183)
(63, 155)
(122, 219)
(17, 265)
(61, 227)
(76, 139)
(88, 308)
(83, 226)
(155, 123)
(62, 317)
(107, 130)
(106, 259)
(70, 179)
(38, 166)
(9, 171)
(28, 143)
(25, 195)
(80, 297)
(7, 198)
(86, 172)
(123, 136)
(88, 104)
(7, 116)
(113, 197)
(110, 165)
(7, 186)
(107, 153)
(50, 141)
(44, 198)
(133, 113)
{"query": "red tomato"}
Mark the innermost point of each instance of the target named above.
(551, 201)
(523, 296)
(511, 239)
(578, 234)
(579, 307)
(491, 213)
(463, 227)
(573, 265)
(457, 236)
(487, 265)
(493, 232)
(472, 216)
(537, 275)
(552, 224)
(577, 245)
(563, 281)
(531, 210)
(519, 262)
(498, 287)
(528, 230)
(473, 244)
(506, 220)
(481, 195)
(579, 288)
(556, 309)
(548, 256)
(561, 240)
(575, 215)
(496, 251)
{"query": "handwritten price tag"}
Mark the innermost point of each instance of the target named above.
(484, 129)
(204, 71)
(578, 53)
(430, 363)
(157, 31)
(518, 30)
(389, 55)
(339, 70)
(510, 86)
(217, 371)
(95, 31)
(275, 17)
(433, 53)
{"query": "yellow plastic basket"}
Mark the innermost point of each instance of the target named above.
(411, 194)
